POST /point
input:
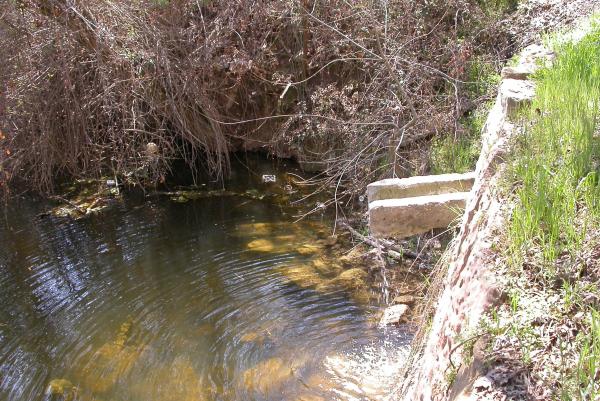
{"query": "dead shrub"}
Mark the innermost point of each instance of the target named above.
(356, 86)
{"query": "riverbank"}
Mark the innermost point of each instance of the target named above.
(517, 311)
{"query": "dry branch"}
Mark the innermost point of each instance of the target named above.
(390, 249)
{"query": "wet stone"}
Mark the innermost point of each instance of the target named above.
(61, 389)
(393, 315)
(405, 299)
(261, 245)
(267, 376)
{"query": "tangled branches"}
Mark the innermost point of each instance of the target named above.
(351, 87)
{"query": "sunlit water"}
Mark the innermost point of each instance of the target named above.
(158, 300)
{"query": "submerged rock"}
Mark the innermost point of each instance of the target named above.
(178, 381)
(257, 337)
(267, 376)
(308, 249)
(61, 389)
(205, 329)
(303, 276)
(326, 267)
(261, 245)
(111, 361)
(352, 278)
(361, 296)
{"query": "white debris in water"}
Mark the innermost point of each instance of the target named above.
(369, 372)
(269, 178)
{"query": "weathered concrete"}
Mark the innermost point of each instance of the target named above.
(398, 188)
(470, 284)
(519, 72)
(411, 216)
(516, 94)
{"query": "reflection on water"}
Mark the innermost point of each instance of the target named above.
(219, 298)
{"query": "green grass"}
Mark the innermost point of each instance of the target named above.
(588, 367)
(555, 176)
(556, 169)
(459, 153)
(449, 154)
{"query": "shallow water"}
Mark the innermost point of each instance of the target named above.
(218, 298)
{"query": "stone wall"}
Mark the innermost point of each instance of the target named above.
(470, 287)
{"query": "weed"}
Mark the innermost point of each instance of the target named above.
(555, 166)
(450, 154)
(588, 367)
(555, 179)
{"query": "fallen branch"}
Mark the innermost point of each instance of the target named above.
(70, 203)
(390, 249)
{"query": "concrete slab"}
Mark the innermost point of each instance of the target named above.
(398, 188)
(521, 72)
(411, 216)
(516, 94)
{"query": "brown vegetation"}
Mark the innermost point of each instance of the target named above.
(86, 85)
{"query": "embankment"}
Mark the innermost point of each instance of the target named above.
(469, 286)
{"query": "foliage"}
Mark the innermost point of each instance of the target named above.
(498, 6)
(551, 236)
(556, 169)
(449, 154)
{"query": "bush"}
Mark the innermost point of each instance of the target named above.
(88, 84)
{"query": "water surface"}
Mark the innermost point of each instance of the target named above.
(219, 298)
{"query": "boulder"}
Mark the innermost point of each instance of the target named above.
(521, 72)
(393, 315)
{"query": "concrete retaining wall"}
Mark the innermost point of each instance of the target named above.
(470, 287)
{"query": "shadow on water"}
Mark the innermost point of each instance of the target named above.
(218, 298)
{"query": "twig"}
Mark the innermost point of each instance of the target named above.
(390, 249)
(70, 203)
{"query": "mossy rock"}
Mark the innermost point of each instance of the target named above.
(268, 376)
(352, 278)
(61, 389)
(261, 245)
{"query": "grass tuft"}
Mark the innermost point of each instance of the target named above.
(556, 170)
(555, 174)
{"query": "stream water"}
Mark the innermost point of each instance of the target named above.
(216, 298)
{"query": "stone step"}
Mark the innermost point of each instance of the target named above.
(411, 216)
(398, 188)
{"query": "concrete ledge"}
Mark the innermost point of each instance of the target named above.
(516, 94)
(411, 216)
(397, 188)
(521, 72)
